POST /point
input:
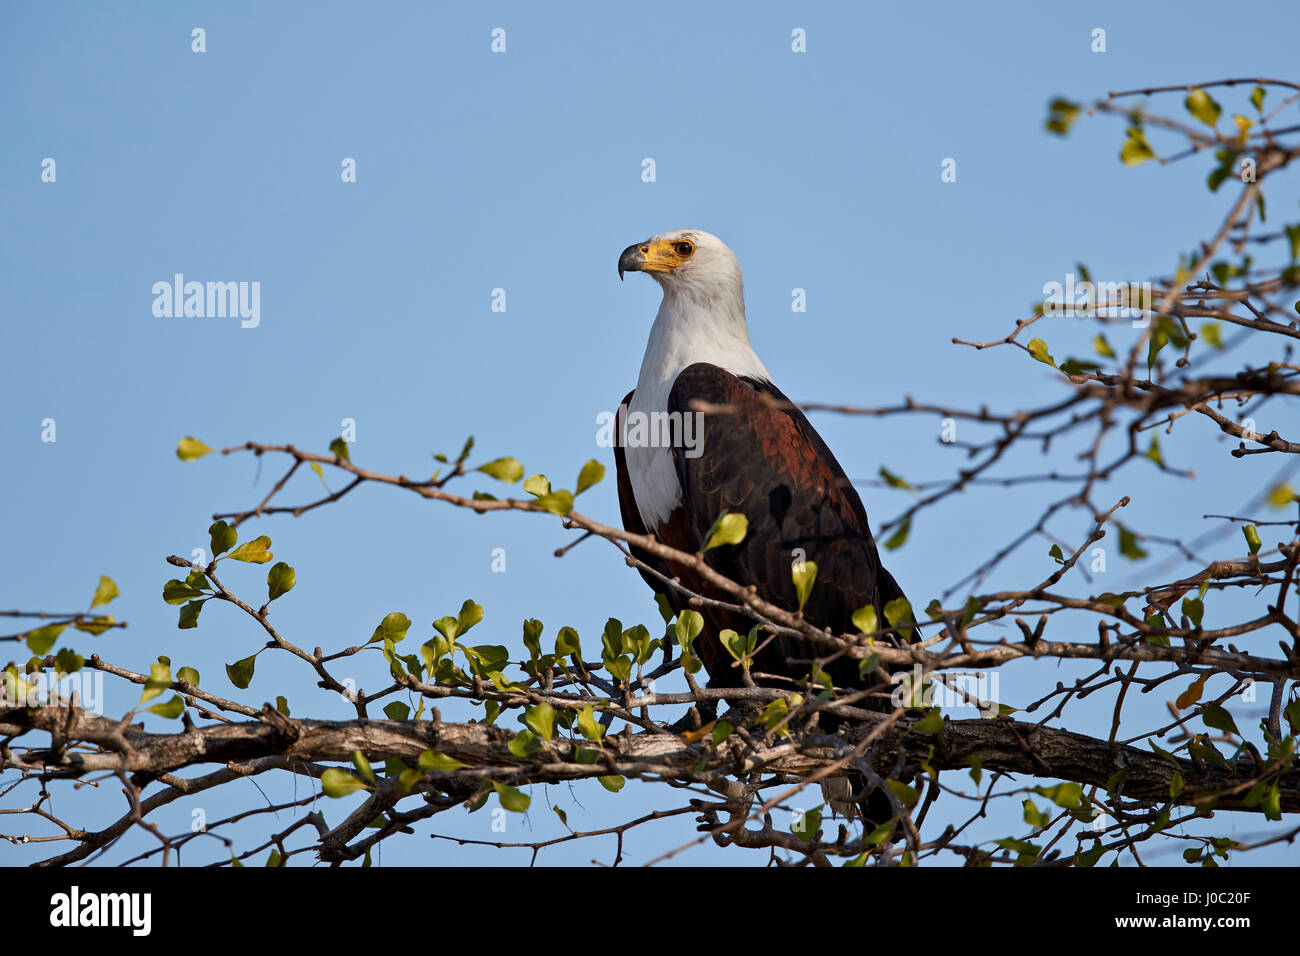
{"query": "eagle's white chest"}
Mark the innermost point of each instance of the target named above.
(650, 468)
(686, 331)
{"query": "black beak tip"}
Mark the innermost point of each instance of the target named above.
(630, 260)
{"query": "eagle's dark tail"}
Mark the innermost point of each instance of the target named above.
(874, 807)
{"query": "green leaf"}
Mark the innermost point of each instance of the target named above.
(508, 470)
(931, 723)
(541, 718)
(899, 612)
(282, 704)
(567, 643)
(1057, 554)
(865, 619)
(1227, 158)
(254, 552)
(868, 665)
(738, 646)
(612, 783)
(620, 667)
(1218, 718)
(665, 609)
(1193, 693)
(1068, 796)
(1033, 816)
(523, 744)
(189, 616)
(899, 537)
(105, 593)
(881, 833)
(1038, 349)
(775, 713)
(803, 573)
(96, 625)
(241, 672)
(1061, 116)
(1136, 149)
(721, 731)
(160, 678)
(1153, 452)
(178, 592)
(280, 580)
(42, 639)
(170, 709)
(397, 710)
(1271, 803)
(1103, 347)
(907, 795)
(1128, 545)
(1257, 98)
(1089, 858)
(222, 537)
(339, 448)
(469, 615)
(339, 783)
(1194, 608)
(68, 661)
(1211, 334)
(688, 627)
(1282, 495)
(730, 528)
(537, 485)
(557, 502)
(1252, 538)
(190, 448)
(893, 480)
(1202, 106)
(588, 725)
(1176, 786)
(810, 823)
(363, 766)
(638, 642)
(1076, 366)
(511, 798)
(533, 638)
(432, 760)
(592, 472)
(392, 628)
(612, 639)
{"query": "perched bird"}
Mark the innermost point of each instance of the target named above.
(679, 470)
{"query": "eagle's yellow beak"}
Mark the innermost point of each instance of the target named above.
(649, 256)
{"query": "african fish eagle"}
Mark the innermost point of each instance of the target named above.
(760, 458)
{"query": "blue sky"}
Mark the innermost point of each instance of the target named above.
(522, 171)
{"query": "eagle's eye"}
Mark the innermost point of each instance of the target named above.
(684, 248)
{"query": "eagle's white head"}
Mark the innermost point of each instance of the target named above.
(688, 263)
(701, 319)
